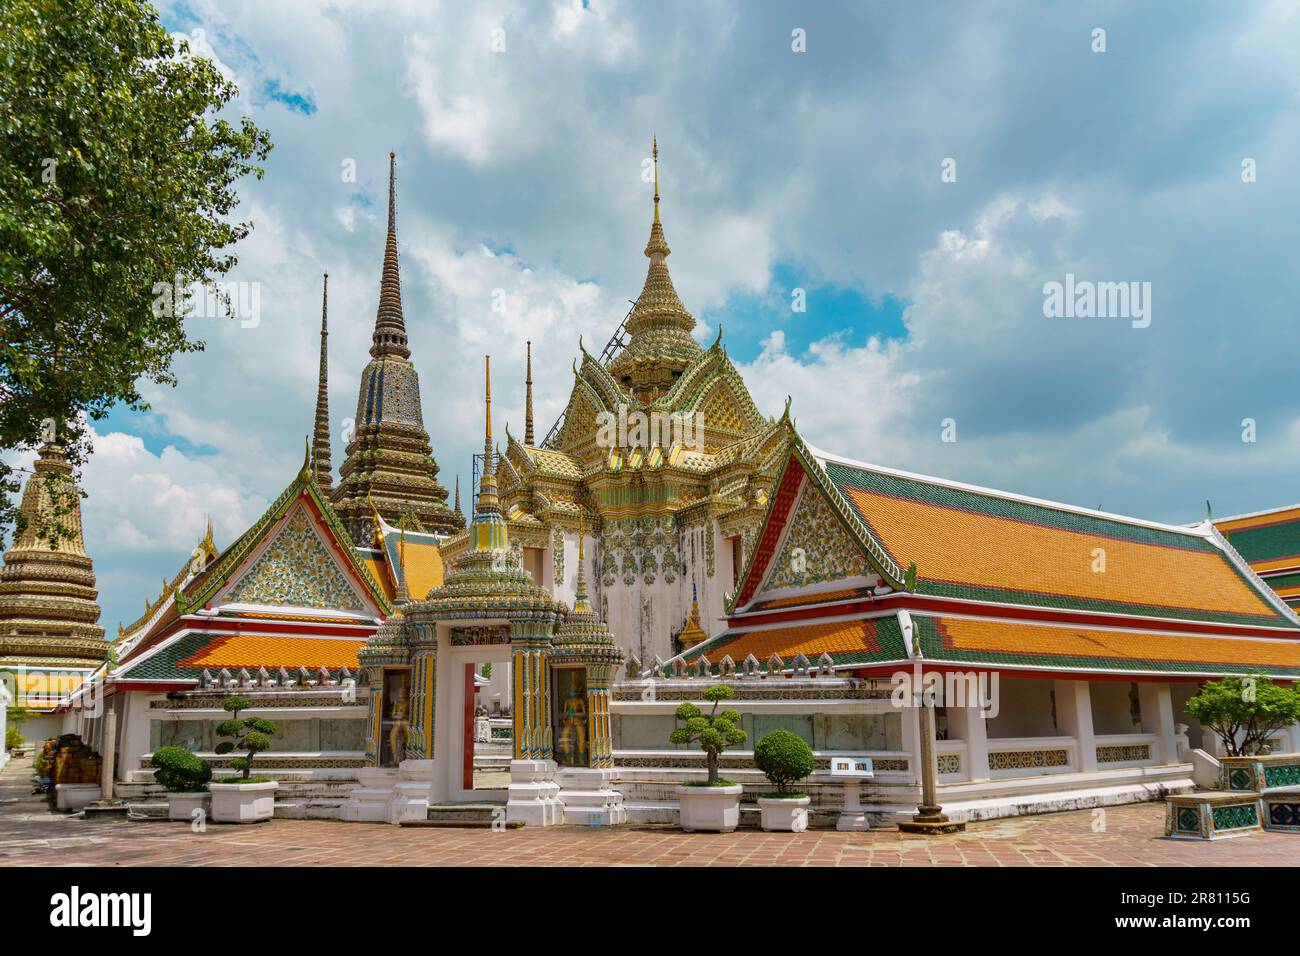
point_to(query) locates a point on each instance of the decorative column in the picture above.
(424, 690)
(530, 660)
(929, 818)
(534, 796)
(1074, 718)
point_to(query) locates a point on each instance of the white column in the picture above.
(975, 733)
(911, 732)
(1074, 717)
(1157, 705)
(135, 734)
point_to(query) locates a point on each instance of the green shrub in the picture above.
(715, 732)
(13, 738)
(784, 757)
(245, 780)
(250, 734)
(1244, 712)
(180, 771)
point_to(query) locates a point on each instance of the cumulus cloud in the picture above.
(520, 186)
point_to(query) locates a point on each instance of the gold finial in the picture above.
(580, 535)
(654, 151)
(487, 391)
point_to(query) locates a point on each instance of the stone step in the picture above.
(463, 815)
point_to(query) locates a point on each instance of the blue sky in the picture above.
(520, 170)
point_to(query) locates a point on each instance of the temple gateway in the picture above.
(663, 537)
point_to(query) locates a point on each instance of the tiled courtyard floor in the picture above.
(1129, 836)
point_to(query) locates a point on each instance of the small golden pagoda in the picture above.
(49, 610)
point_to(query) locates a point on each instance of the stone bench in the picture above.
(1212, 815)
(1281, 810)
(1259, 773)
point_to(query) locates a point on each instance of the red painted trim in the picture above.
(467, 774)
(252, 625)
(920, 603)
(778, 516)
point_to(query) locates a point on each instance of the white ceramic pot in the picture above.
(242, 802)
(710, 808)
(181, 806)
(784, 814)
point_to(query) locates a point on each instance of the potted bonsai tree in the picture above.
(243, 798)
(186, 778)
(785, 759)
(712, 804)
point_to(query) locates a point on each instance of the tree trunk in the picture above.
(713, 765)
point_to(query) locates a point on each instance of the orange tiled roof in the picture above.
(1036, 644)
(865, 639)
(252, 651)
(956, 546)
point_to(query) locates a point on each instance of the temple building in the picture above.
(50, 637)
(389, 464)
(663, 449)
(1270, 541)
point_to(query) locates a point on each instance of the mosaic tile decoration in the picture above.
(297, 570)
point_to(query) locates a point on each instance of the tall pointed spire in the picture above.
(658, 244)
(390, 325)
(389, 458)
(528, 399)
(457, 508)
(660, 344)
(321, 467)
(487, 486)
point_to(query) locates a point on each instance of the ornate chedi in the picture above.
(664, 450)
(389, 459)
(692, 633)
(489, 585)
(49, 611)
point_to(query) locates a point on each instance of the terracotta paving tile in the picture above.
(31, 836)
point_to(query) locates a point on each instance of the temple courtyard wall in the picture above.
(1048, 745)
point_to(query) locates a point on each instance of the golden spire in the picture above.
(487, 487)
(658, 245)
(528, 399)
(320, 439)
(654, 151)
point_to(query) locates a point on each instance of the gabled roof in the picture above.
(1269, 540)
(226, 569)
(988, 546)
(223, 570)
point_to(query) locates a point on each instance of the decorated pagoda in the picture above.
(50, 637)
(674, 507)
(389, 462)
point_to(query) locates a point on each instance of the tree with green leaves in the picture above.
(117, 180)
(1244, 712)
(250, 734)
(715, 732)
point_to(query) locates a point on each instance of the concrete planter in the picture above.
(784, 814)
(181, 806)
(710, 808)
(75, 796)
(242, 802)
